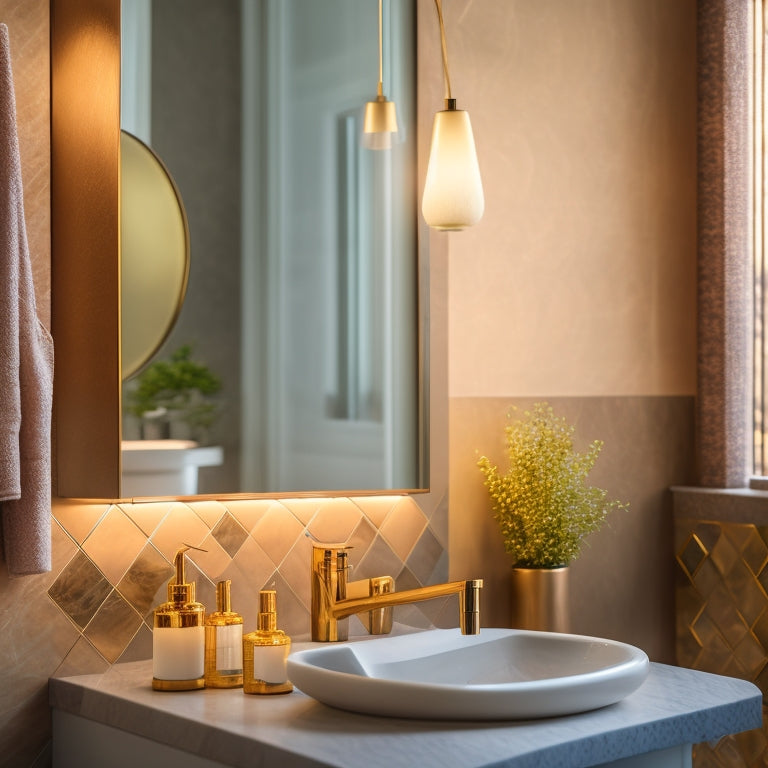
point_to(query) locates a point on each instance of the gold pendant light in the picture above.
(380, 118)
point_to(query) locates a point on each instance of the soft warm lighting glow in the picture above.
(379, 123)
(453, 193)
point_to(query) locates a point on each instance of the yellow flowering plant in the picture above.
(542, 503)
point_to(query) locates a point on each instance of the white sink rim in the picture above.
(379, 691)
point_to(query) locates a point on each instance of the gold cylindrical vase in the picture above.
(540, 599)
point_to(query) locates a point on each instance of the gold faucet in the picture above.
(334, 598)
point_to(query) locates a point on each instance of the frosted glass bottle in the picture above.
(223, 642)
(265, 651)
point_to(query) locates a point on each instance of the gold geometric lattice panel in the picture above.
(742, 750)
(722, 620)
(722, 599)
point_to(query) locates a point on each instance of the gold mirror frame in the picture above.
(85, 268)
(85, 235)
(154, 243)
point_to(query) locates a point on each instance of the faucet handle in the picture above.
(329, 584)
(328, 556)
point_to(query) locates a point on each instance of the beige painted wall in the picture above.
(578, 286)
(579, 280)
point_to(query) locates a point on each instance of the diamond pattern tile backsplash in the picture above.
(123, 558)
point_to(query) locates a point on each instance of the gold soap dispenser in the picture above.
(265, 651)
(223, 642)
(178, 637)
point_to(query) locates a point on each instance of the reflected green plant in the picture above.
(180, 386)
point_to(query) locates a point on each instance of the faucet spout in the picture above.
(331, 605)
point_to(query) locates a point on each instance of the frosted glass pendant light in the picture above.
(380, 118)
(453, 192)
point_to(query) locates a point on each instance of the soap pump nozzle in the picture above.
(179, 589)
(224, 596)
(267, 611)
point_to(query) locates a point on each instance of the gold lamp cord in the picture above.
(380, 87)
(447, 77)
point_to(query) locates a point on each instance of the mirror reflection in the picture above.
(294, 358)
(155, 253)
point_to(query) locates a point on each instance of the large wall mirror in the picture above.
(303, 303)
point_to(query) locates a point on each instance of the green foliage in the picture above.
(179, 384)
(542, 503)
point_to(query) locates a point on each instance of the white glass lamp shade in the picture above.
(453, 193)
(379, 124)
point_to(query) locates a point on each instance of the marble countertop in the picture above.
(673, 706)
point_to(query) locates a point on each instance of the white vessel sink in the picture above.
(500, 674)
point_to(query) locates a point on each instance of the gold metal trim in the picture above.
(85, 265)
(178, 685)
(261, 687)
(85, 269)
(149, 156)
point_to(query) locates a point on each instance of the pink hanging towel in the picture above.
(26, 365)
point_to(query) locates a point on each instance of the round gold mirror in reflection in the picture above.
(154, 253)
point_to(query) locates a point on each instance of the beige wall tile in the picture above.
(277, 531)
(304, 509)
(376, 508)
(249, 512)
(210, 512)
(113, 627)
(214, 560)
(79, 518)
(80, 589)
(229, 534)
(295, 569)
(148, 575)
(334, 521)
(403, 527)
(180, 526)
(114, 544)
(82, 659)
(140, 646)
(148, 515)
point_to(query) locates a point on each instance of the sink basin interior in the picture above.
(509, 659)
(498, 674)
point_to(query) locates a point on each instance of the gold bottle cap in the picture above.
(223, 596)
(267, 610)
(181, 610)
